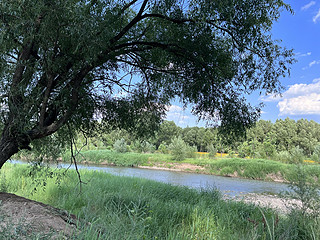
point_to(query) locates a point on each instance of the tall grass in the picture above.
(110, 157)
(260, 169)
(133, 208)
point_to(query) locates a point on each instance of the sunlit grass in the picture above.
(262, 169)
(132, 208)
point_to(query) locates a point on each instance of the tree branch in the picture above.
(45, 100)
(73, 157)
(134, 21)
(75, 83)
(128, 5)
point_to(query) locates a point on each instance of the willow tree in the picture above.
(64, 62)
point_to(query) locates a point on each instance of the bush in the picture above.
(267, 150)
(191, 151)
(303, 219)
(297, 155)
(315, 157)
(178, 149)
(245, 150)
(212, 150)
(120, 146)
(147, 147)
(316, 154)
(283, 156)
(163, 148)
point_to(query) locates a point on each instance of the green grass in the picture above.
(133, 208)
(119, 159)
(260, 169)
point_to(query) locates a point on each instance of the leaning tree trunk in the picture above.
(8, 147)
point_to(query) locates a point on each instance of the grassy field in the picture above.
(260, 169)
(120, 159)
(132, 208)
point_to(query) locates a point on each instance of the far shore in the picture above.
(185, 167)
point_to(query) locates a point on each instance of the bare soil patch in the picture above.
(31, 218)
(179, 167)
(275, 177)
(282, 205)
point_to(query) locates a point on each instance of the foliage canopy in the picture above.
(62, 63)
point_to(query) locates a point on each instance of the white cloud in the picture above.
(174, 108)
(121, 94)
(295, 90)
(301, 105)
(316, 17)
(301, 99)
(177, 114)
(302, 89)
(298, 54)
(307, 6)
(314, 62)
(271, 98)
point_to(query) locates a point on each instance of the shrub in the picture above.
(283, 156)
(245, 150)
(191, 151)
(143, 147)
(267, 149)
(163, 148)
(297, 155)
(120, 146)
(178, 149)
(212, 150)
(316, 154)
(147, 147)
(303, 219)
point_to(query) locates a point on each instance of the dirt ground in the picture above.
(178, 167)
(282, 205)
(23, 217)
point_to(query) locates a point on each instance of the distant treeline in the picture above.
(263, 140)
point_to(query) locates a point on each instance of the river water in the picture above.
(227, 185)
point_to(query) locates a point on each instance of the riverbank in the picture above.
(132, 208)
(280, 204)
(258, 169)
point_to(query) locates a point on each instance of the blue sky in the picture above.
(301, 98)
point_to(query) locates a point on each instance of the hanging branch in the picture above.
(73, 157)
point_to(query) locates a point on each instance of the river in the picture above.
(227, 185)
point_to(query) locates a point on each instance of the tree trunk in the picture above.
(8, 147)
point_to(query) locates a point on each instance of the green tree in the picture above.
(268, 149)
(307, 138)
(210, 138)
(167, 131)
(297, 155)
(260, 132)
(285, 134)
(62, 63)
(189, 135)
